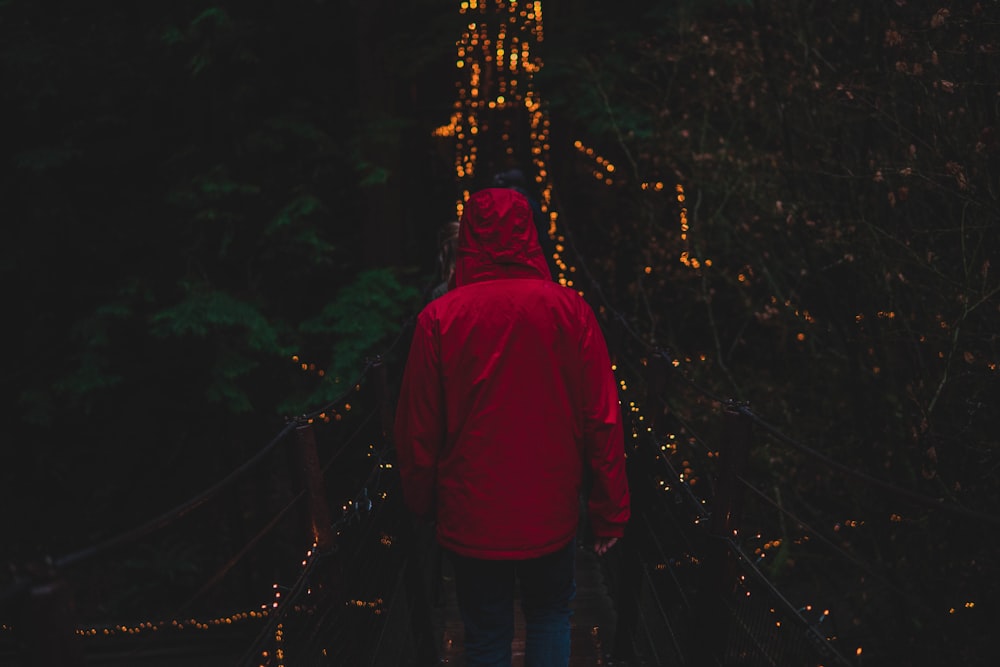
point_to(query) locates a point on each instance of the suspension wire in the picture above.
(296, 589)
(663, 554)
(173, 515)
(185, 508)
(263, 532)
(694, 385)
(672, 471)
(663, 615)
(232, 562)
(275, 617)
(697, 441)
(682, 529)
(874, 481)
(225, 569)
(650, 641)
(344, 447)
(749, 564)
(354, 386)
(362, 505)
(407, 324)
(370, 362)
(862, 564)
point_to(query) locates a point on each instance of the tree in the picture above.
(185, 183)
(800, 203)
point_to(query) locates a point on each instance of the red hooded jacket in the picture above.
(507, 394)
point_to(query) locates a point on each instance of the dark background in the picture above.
(192, 193)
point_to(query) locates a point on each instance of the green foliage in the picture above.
(214, 16)
(205, 311)
(362, 319)
(239, 328)
(46, 157)
(299, 207)
(226, 388)
(92, 373)
(184, 195)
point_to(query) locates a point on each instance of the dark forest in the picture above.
(217, 211)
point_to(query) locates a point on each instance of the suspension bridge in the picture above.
(308, 558)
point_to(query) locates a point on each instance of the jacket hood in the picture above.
(497, 239)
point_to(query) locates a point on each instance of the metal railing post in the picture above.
(311, 479)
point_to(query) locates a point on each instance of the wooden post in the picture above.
(311, 479)
(48, 626)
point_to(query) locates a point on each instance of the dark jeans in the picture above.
(485, 590)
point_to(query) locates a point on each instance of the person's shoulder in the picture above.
(564, 291)
(569, 296)
(439, 301)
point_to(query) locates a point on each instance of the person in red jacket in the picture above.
(507, 396)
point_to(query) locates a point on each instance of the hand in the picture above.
(602, 544)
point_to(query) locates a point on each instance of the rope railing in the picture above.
(35, 580)
(134, 535)
(183, 509)
(650, 440)
(860, 563)
(281, 610)
(309, 642)
(811, 627)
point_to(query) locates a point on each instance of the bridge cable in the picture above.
(174, 514)
(862, 564)
(749, 564)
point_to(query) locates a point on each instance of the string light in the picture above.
(509, 50)
(686, 258)
(308, 367)
(604, 169)
(120, 629)
(503, 48)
